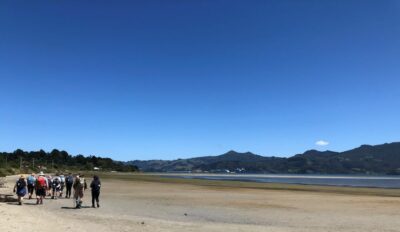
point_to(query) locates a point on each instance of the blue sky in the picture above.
(176, 79)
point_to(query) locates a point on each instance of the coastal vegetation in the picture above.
(56, 160)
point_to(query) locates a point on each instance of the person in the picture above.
(56, 186)
(20, 189)
(41, 187)
(95, 186)
(79, 188)
(31, 184)
(49, 185)
(69, 180)
(62, 178)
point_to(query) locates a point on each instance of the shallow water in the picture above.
(330, 180)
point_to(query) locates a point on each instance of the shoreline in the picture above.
(353, 181)
(147, 177)
(294, 176)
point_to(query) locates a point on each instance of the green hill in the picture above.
(366, 159)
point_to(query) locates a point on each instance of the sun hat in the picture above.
(41, 174)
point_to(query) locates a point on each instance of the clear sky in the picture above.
(175, 79)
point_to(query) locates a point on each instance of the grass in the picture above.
(232, 185)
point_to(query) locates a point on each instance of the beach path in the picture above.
(152, 206)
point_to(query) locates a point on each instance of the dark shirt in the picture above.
(69, 180)
(95, 185)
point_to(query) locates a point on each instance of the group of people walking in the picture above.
(53, 186)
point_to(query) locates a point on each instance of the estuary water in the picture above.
(330, 180)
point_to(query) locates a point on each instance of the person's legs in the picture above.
(77, 199)
(93, 198)
(42, 195)
(68, 193)
(97, 199)
(37, 196)
(80, 198)
(57, 193)
(30, 191)
(62, 189)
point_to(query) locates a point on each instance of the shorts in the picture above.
(78, 193)
(41, 192)
(31, 187)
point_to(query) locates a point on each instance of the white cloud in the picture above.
(321, 143)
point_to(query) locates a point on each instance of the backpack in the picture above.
(31, 180)
(69, 180)
(41, 182)
(56, 182)
(21, 184)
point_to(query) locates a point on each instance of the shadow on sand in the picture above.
(83, 207)
(12, 203)
(29, 203)
(24, 203)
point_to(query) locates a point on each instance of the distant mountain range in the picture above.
(366, 159)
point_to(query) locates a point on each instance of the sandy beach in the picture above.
(136, 204)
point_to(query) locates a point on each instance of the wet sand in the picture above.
(151, 204)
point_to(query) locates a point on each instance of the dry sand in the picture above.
(158, 206)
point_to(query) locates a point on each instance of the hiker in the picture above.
(95, 186)
(41, 187)
(31, 184)
(69, 180)
(20, 189)
(49, 185)
(62, 178)
(55, 186)
(79, 188)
